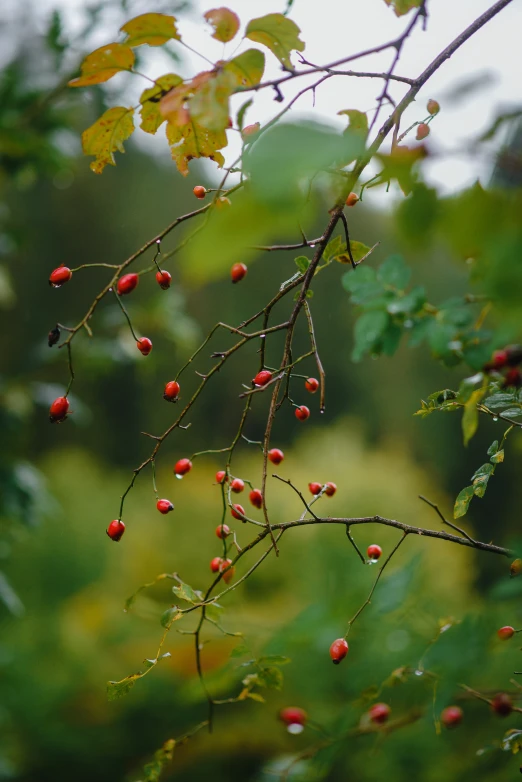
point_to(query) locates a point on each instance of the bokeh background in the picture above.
(63, 587)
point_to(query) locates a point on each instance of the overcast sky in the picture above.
(332, 29)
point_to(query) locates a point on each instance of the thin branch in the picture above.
(444, 520)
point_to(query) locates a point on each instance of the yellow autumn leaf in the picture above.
(191, 141)
(225, 23)
(152, 29)
(104, 63)
(107, 135)
(277, 33)
(151, 117)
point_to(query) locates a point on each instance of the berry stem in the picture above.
(118, 299)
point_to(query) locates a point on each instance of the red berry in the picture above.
(352, 199)
(182, 467)
(115, 530)
(451, 716)
(164, 506)
(330, 490)
(499, 359)
(163, 279)
(502, 704)
(250, 130)
(293, 715)
(433, 107)
(302, 413)
(312, 384)
(339, 650)
(315, 488)
(222, 531)
(513, 378)
(60, 276)
(379, 713)
(58, 410)
(221, 476)
(262, 378)
(256, 498)
(374, 552)
(504, 633)
(127, 283)
(199, 191)
(237, 512)
(227, 570)
(238, 271)
(423, 130)
(144, 345)
(237, 485)
(171, 391)
(215, 563)
(276, 456)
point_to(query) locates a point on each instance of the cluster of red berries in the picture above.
(223, 566)
(316, 488)
(302, 412)
(507, 361)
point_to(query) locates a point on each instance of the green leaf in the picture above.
(107, 135)
(462, 502)
(214, 612)
(270, 677)
(151, 118)
(240, 650)
(241, 113)
(493, 448)
(394, 272)
(170, 615)
(333, 248)
(274, 659)
(248, 68)
(104, 63)
(117, 690)
(402, 7)
(391, 339)
(499, 400)
(225, 23)
(409, 304)
(498, 457)
(470, 415)
(9, 597)
(152, 29)
(302, 263)
(513, 412)
(255, 696)
(162, 756)
(359, 250)
(209, 104)
(481, 477)
(185, 592)
(369, 328)
(398, 586)
(194, 141)
(277, 33)
(357, 123)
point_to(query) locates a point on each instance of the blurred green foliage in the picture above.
(63, 587)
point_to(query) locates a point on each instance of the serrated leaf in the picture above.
(152, 29)
(277, 33)
(185, 592)
(170, 615)
(369, 328)
(513, 412)
(394, 272)
(194, 141)
(462, 502)
(302, 263)
(248, 68)
(151, 117)
(409, 304)
(359, 250)
(107, 135)
(270, 677)
(225, 23)
(104, 63)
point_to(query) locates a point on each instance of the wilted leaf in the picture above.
(193, 141)
(117, 690)
(102, 64)
(225, 23)
(208, 105)
(248, 68)
(107, 135)
(277, 33)
(359, 250)
(151, 117)
(462, 502)
(161, 757)
(152, 29)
